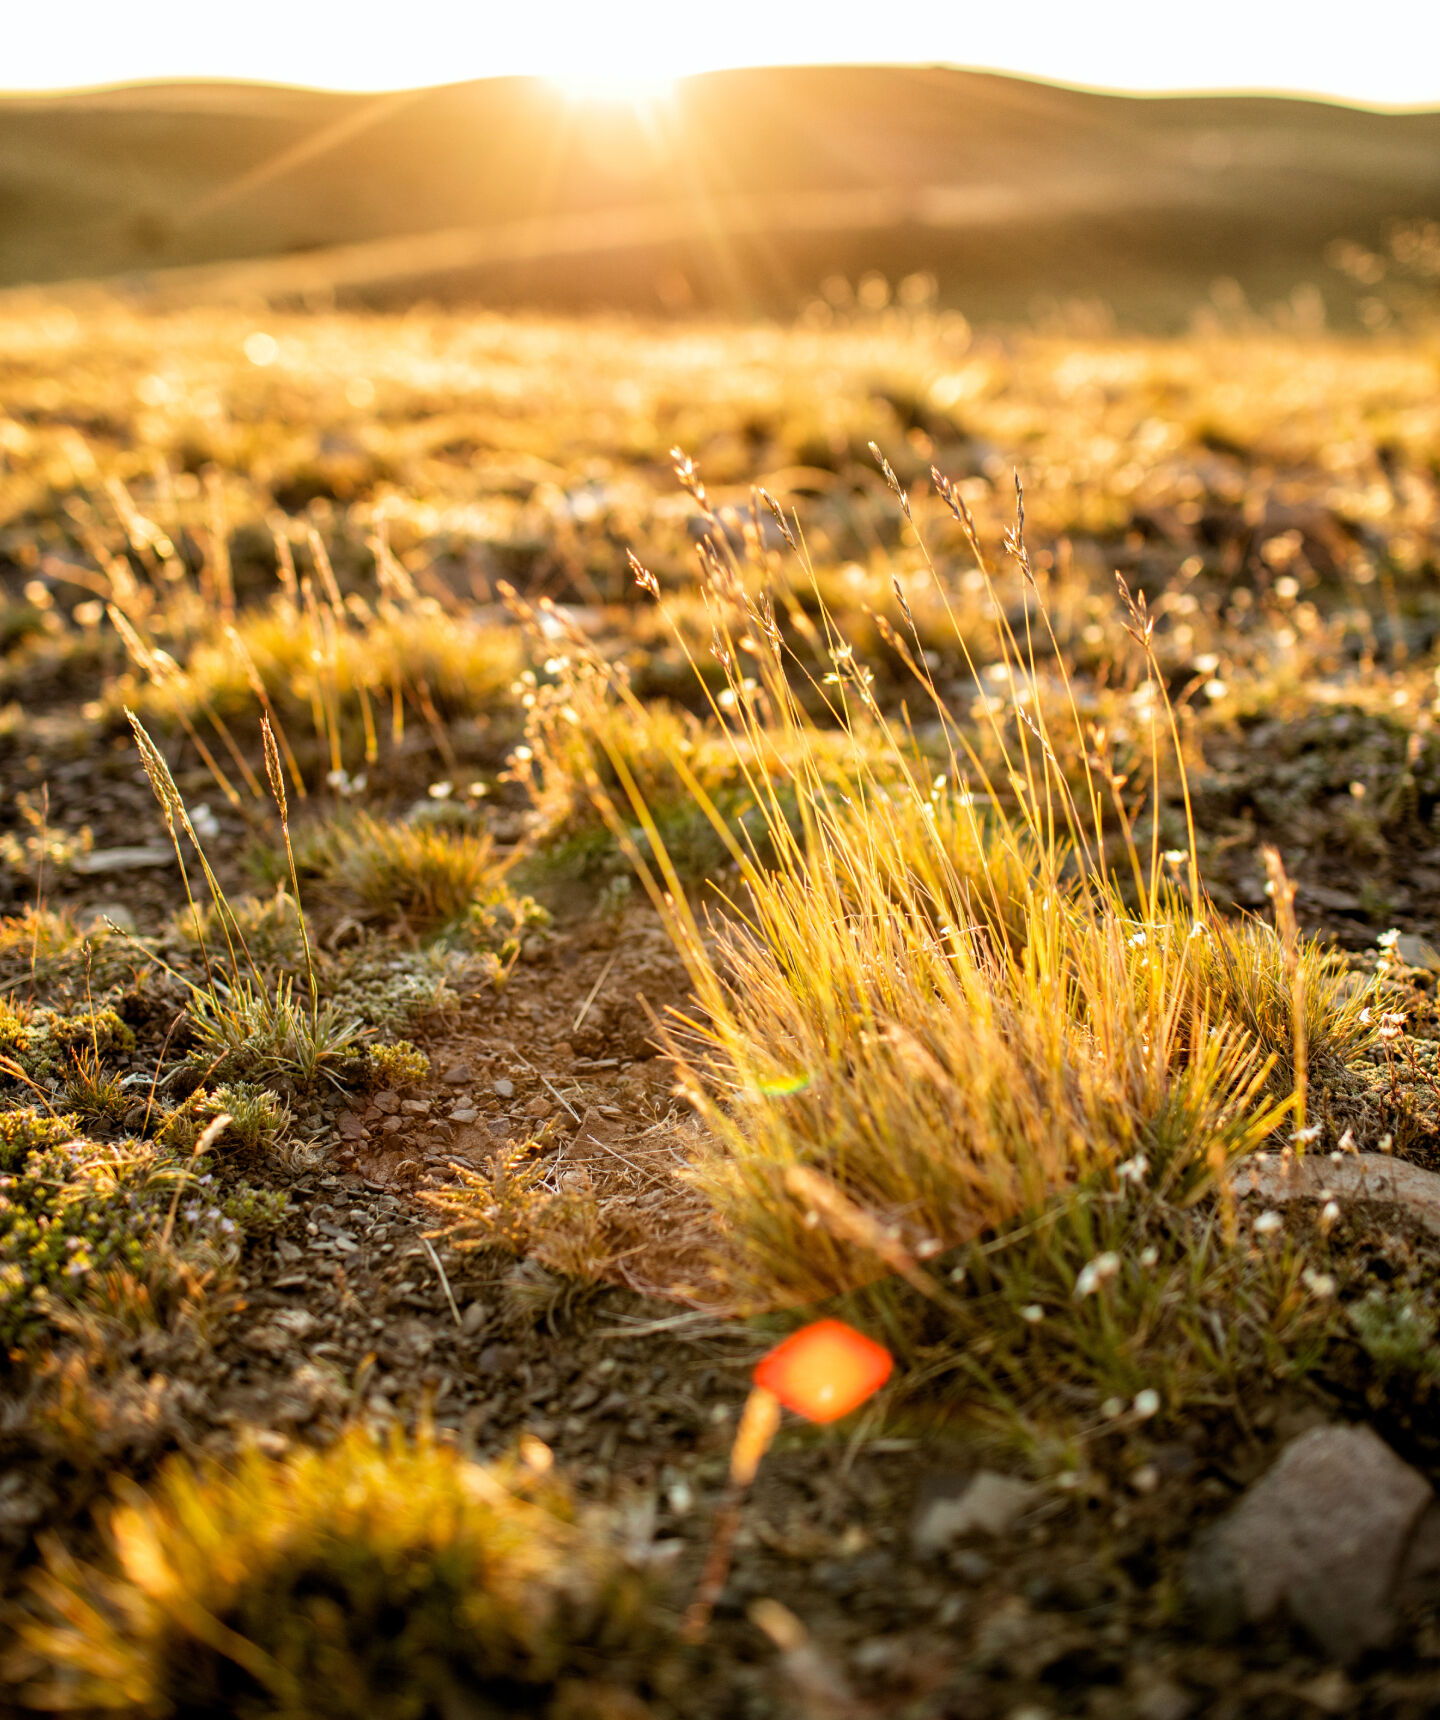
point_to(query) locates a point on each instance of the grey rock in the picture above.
(953, 1506)
(473, 1319)
(970, 1566)
(1416, 953)
(299, 1322)
(387, 1102)
(1376, 1177)
(133, 859)
(1338, 901)
(504, 1088)
(499, 1359)
(1158, 1697)
(1321, 1536)
(458, 1074)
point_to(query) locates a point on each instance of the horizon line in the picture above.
(1239, 92)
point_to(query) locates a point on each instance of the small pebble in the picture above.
(458, 1074)
(464, 1114)
(387, 1103)
(504, 1088)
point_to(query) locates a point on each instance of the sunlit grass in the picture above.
(946, 1005)
(363, 1578)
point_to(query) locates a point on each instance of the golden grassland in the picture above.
(952, 830)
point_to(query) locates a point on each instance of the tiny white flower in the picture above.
(1133, 1170)
(1032, 1313)
(1113, 1408)
(1174, 856)
(1319, 1284)
(1095, 1273)
(1268, 1223)
(1388, 940)
(1306, 1135)
(1138, 941)
(1147, 1403)
(1346, 1143)
(440, 790)
(1329, 1213)
(1149, 1256)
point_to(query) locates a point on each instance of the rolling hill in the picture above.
(742, 193)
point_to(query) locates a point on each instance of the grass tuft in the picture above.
(389, 1580)
(961, 1032)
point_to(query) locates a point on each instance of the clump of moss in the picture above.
(396, 1064)
(390, 990)
(1397, 1332)
(28, 1130)
(395, 1581)
(85, 1224)
(69, 1211)
(45, 1043)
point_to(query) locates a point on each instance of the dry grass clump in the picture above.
(426, 874)
(936, 1012)
(394, 1580)
(1244, 967)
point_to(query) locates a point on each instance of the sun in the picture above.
(636, 87)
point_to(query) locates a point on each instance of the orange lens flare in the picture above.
(824, 1371)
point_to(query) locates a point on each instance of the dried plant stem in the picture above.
(277, 788)
(1283, 892)
(759, 1423)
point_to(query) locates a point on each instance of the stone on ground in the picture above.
(953, 1506)
(1322, 1537)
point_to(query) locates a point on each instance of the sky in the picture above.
(1384, 52)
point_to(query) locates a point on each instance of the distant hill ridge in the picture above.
(742, 193)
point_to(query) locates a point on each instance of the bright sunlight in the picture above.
(621, 86)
